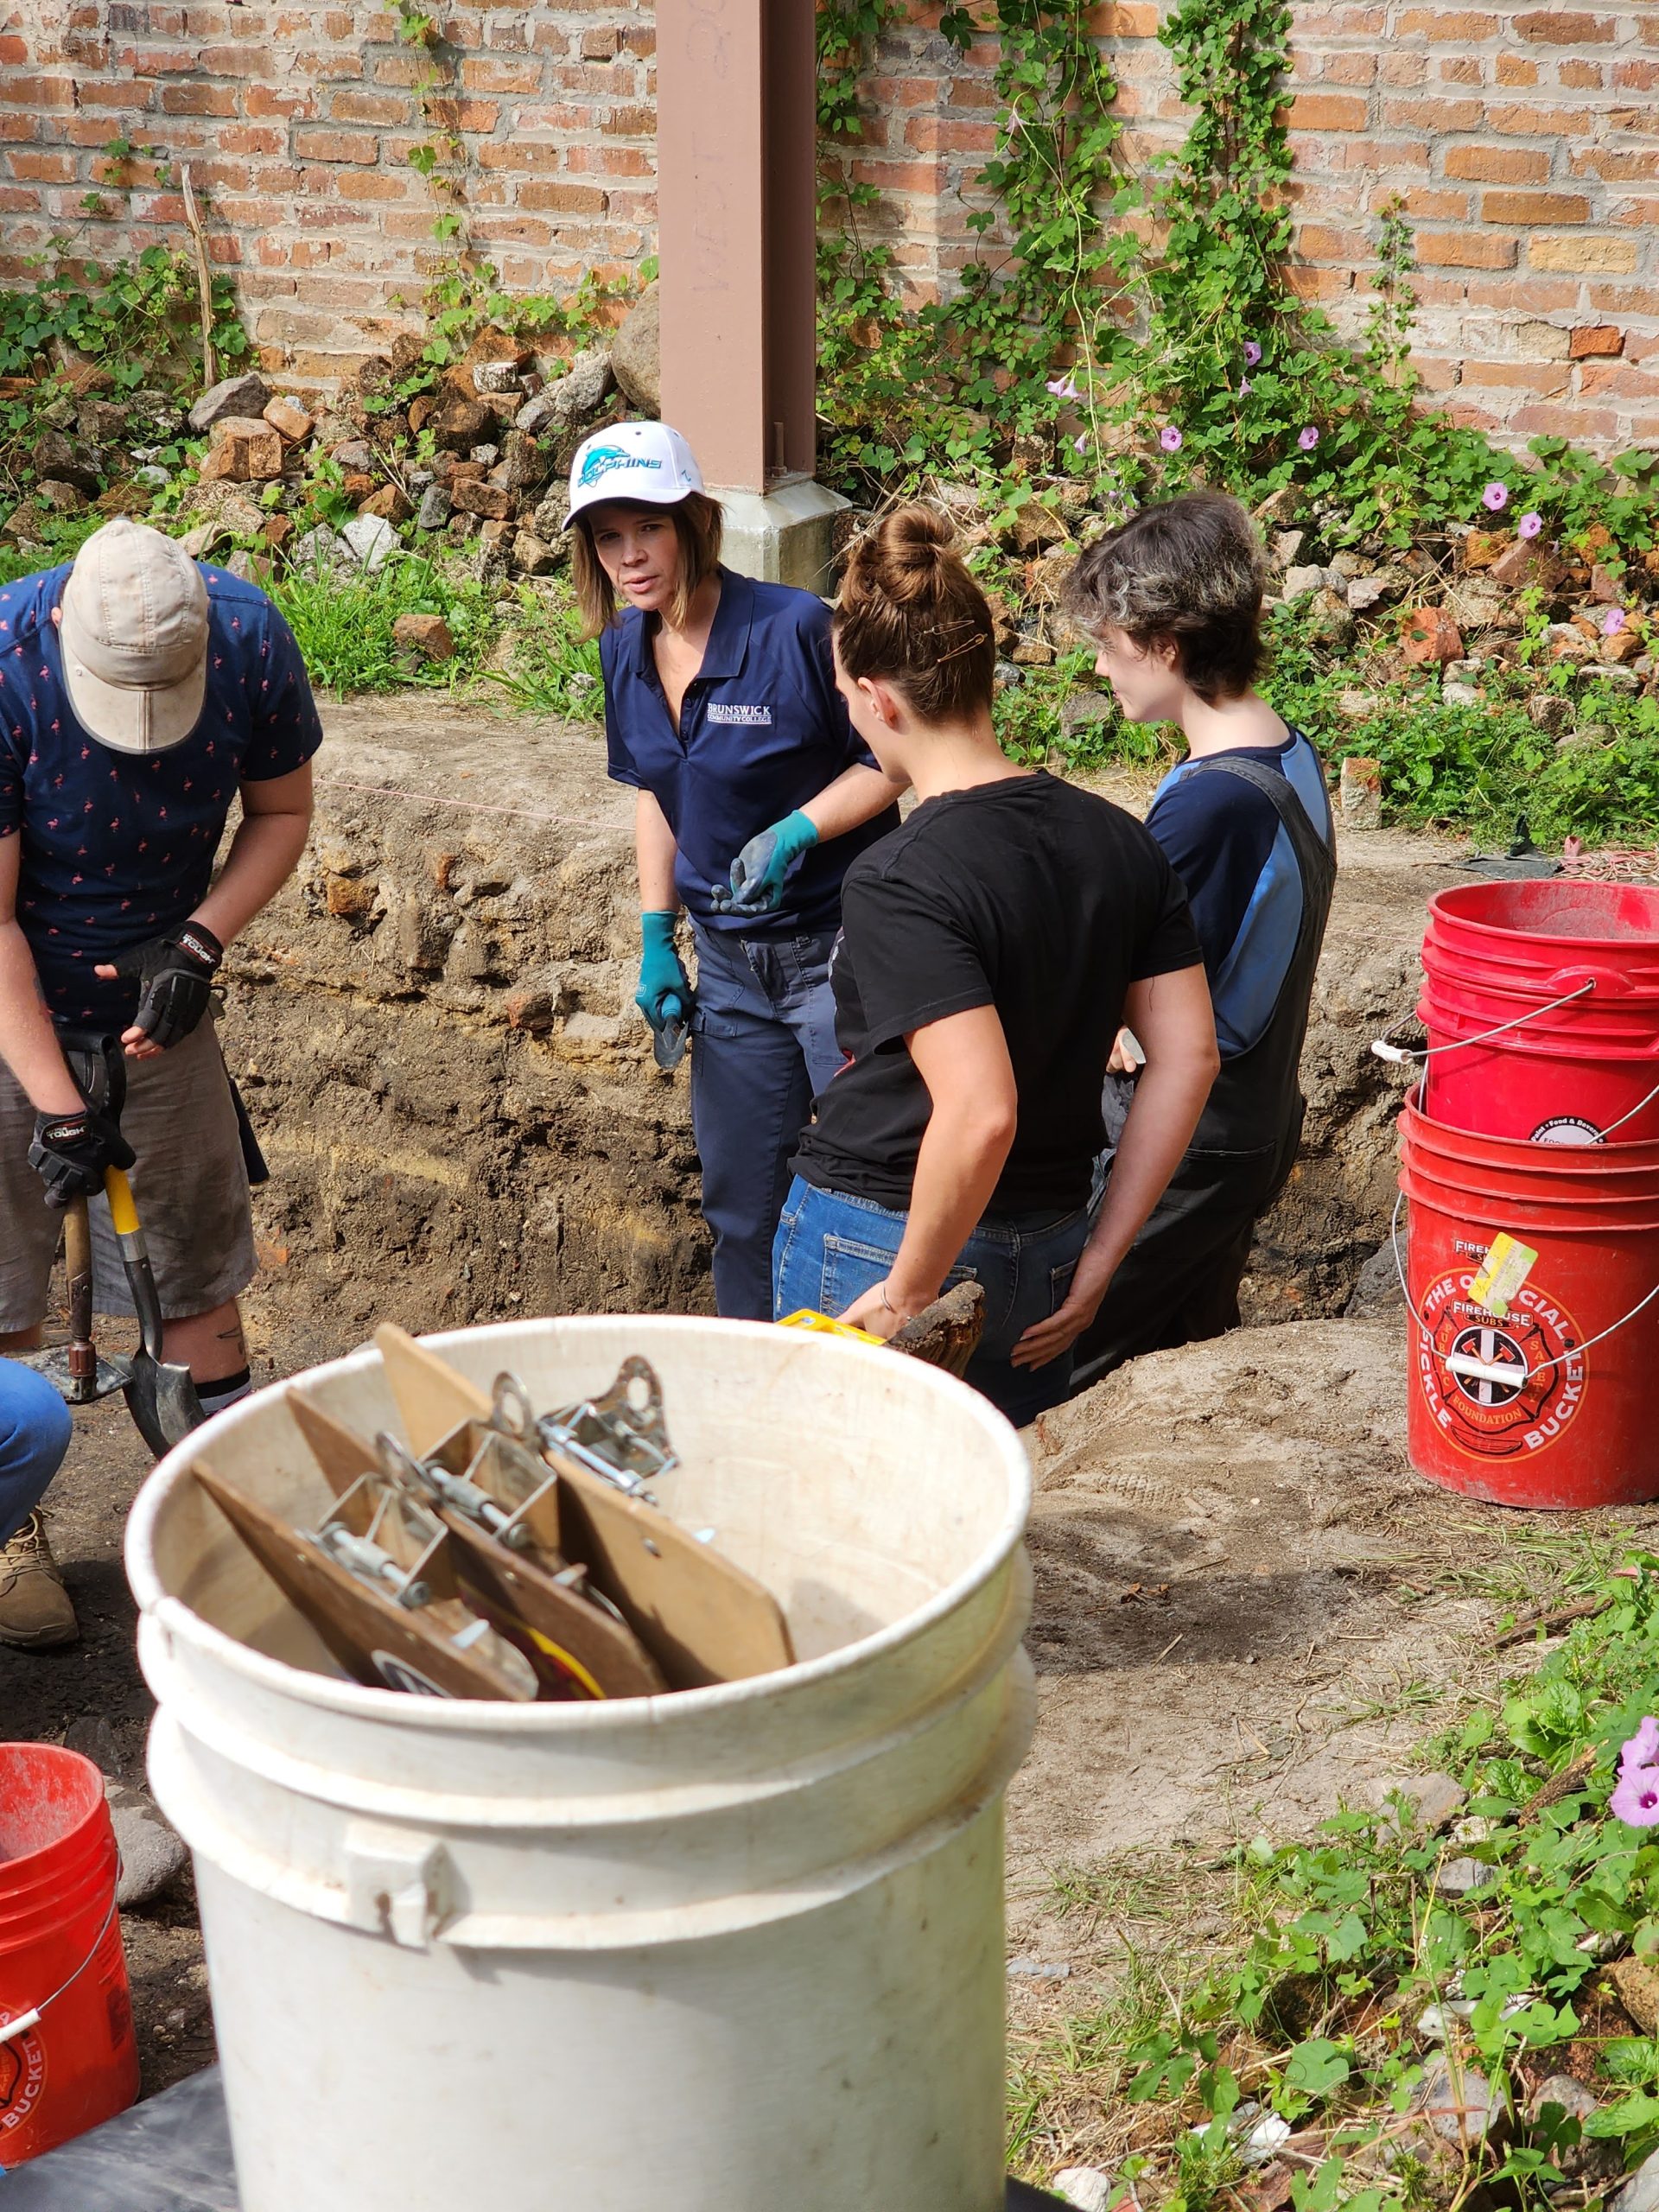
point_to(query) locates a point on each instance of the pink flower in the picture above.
(1064, 388)
(1243, 386)
(1529, 526)
(1495, 497)
(1252, 353)
(1613, 622)
(1170, 438)
(1636, 1797)
(1080, 443)
(1636, 1793)
(1307, 439)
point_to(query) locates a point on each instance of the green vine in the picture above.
(1142, 355)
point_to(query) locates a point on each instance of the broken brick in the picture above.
(289, 420)
(243, 451)
(493, 501)
(1428, 633)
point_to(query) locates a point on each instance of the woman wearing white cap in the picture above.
(754, 795)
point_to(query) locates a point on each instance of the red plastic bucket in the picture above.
(1565, 1075)
(1529, 936)
(61, 1958)
(1550, 1403)
(1608, 1166)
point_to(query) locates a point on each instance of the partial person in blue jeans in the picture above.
(754, 793)
(989, 949)
(35, 1614)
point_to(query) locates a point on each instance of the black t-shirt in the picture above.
(1030, 896)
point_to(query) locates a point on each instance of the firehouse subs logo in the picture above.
(1498, 1389)
(23, 2076)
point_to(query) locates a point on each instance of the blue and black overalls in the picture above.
(1259, 870)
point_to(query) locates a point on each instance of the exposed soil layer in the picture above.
(435, 1031)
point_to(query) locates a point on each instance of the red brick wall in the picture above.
(298, 120)
(1524, 141)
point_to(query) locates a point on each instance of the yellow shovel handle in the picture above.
(122, 1212)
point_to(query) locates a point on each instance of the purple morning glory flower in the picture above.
(1080, 443)
(1636, 1793)
(1252, 353)
(1635, 1796)
(1243, 387)
(1613, 622)
(1064, 388)
(1529, 526)
(1170, 438)
(1308, 438)
(1495, 496)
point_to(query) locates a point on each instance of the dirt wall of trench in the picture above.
(435, 1032)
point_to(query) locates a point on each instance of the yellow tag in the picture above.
(806, 1318)
(1503, 1272)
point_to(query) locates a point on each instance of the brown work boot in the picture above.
(35, 1613)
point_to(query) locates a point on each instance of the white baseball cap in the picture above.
(632, 460)
(134, 631)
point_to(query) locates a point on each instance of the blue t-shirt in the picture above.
(118, 847)
(1234, 855)
(762, 730)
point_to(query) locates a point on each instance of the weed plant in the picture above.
(345, 625)
(1353, 1970)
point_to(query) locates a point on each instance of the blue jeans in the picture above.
(763, 1047)
(34, 1436)
(832, 1248)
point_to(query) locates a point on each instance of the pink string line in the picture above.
(433, 798)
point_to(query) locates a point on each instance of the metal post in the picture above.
(736, 107)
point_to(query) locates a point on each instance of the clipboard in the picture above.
(577, 1648)
(379, 1642)
(700, 1617)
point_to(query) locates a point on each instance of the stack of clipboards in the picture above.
(495, 1552)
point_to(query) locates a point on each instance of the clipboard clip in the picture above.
(366, 1558)
(620, 1435)
(431, 1480)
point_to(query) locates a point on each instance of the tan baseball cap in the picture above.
(134, 631)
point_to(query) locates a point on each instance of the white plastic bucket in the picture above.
(721, 1951)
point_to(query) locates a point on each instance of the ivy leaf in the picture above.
(1315, 2068)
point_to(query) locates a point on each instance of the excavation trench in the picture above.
(435, 1031)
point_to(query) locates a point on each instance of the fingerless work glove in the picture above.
(175, 975)
(761, 869)
(71, 1151)
(664, 992)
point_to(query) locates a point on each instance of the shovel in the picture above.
(75, 1369)
(160, 1396)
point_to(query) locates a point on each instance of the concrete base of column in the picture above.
(784, 536)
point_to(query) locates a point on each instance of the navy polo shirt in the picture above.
(762, 730)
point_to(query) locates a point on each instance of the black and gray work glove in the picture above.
(71, 1151)
(176, 973)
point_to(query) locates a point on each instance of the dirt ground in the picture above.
(1247, 1605)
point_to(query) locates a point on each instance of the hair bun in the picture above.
(902, 556)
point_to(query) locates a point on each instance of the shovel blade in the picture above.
(163, 1401)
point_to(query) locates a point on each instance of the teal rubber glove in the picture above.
(664, 992)
(760, 870)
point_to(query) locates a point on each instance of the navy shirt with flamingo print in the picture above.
(118, 847)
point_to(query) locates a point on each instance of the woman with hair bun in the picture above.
(989, 951)
(721, 712)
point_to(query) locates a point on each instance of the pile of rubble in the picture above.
(1457, 602)
(474, 456)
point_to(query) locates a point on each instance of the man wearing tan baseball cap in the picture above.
(139, 693)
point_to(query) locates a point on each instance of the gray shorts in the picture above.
(189, 1186)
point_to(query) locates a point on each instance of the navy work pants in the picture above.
(763, 1047)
